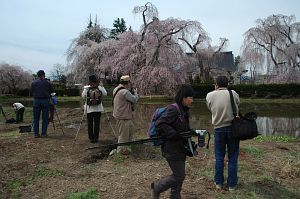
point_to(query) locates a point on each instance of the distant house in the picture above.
(226, 61)
(223, 61)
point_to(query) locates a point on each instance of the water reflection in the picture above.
(288, 124)
(273, 119)
(279, 126)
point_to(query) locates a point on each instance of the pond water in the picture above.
(273, 119)
(276, 119)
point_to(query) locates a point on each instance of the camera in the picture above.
(201, 137)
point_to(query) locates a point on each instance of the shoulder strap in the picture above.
(177, 107)
(117, 92)
(178, 110)
(232, 103)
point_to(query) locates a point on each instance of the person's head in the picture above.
(41, 73)
(221, 81)
(93, 81)
(184, 95)
(125, 80)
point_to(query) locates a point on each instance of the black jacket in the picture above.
(41, 89)
(169, 125)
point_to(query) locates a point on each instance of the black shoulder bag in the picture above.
(243, 127)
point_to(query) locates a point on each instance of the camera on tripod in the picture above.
(201, 137)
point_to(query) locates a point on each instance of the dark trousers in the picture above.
(40, 105)
(93, 120)
(223, 140)
(19, 114)
(173, 181)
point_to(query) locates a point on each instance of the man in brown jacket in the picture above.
(123, 101)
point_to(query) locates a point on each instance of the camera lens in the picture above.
(201, 141)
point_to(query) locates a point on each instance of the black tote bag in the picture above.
(243, 127)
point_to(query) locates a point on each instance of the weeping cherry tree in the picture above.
(275, 43)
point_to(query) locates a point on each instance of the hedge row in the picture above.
(244, 90)
(59, 92)
(255, 91)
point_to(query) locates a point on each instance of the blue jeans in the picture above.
(224, 140)
(38, 106)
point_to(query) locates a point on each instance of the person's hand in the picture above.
(135, 91)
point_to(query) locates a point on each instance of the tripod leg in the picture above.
(79, 128)
(53, 124)
(110, 124)
(3, 113)
(59, 121)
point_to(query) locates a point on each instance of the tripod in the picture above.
(3, 112)
(53, 110)
(108, 120)
(83, 115)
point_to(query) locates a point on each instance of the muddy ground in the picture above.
(56, 166)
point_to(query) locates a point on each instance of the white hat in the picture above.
(125, 78)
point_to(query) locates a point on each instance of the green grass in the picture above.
(10, 134)
(14, 187)
(273, 138)
(206, 172)
(89, 194)
(255, 152)
(273, 101)
(265, 178)
(45, 172)
(118, 159)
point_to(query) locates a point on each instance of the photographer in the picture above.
(123, 101)
(93, 94)
(41, 90)
(174, 121)
(19, 110)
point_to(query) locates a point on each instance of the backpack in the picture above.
(152, 132)
(94, 96)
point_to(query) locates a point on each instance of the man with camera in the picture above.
(93, 106)
(123, 101)
(41, 90)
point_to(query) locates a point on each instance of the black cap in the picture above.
(40, 73)
(93, 78)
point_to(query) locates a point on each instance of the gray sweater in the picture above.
(218, 102)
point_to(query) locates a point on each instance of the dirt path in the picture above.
(54, 167)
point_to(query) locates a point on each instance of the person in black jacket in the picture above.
(174, 121)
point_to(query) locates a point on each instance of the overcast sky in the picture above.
(35, 34)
